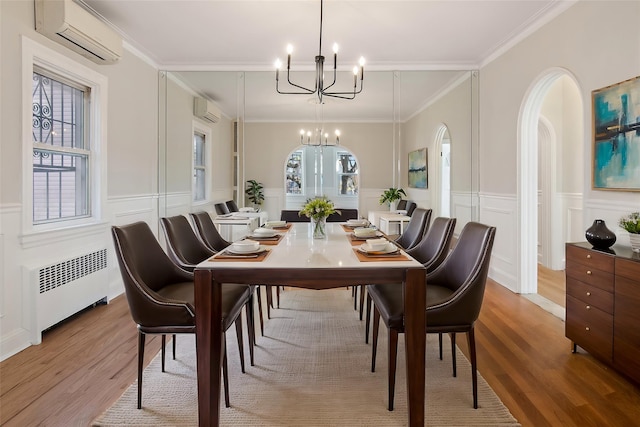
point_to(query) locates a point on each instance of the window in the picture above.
(64, 142)
(294, 174)
(61, 148)
(347, 171)
(199, 166)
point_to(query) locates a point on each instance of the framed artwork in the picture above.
(418, 169)
(616, 136)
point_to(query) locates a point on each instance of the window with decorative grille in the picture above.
(61, 148)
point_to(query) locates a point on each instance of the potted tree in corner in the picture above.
(255, 194)
(392, 196)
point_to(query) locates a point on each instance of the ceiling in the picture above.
(228, 36)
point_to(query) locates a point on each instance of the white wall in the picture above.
(597, 42)
(132, 131)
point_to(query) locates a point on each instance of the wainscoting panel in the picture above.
(501, 211)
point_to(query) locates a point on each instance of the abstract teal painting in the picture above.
(418, 168)
(616, 136)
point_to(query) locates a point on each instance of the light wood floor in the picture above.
(551, 285)
(84, 365)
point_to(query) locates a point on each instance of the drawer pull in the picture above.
(588, 294)
(587, 329)
(588, 307)
(588, 256)
(589, 272)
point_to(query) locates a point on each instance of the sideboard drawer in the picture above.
(628, 269)
(592, 258)
(592, 276)
(590, 295)
(590, 328)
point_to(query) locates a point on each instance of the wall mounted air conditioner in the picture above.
(70, 24)
(205, 110)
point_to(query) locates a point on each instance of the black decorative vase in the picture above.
(599, 235)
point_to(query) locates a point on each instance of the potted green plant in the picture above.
(255, 194)
(631, 223)
(392, 196)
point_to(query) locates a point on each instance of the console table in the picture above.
(603, 304)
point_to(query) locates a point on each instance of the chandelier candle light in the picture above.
(318, 137)
(319, 88)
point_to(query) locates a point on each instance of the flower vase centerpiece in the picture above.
(631, 223)
(318, 209)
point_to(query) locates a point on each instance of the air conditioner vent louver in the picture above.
(205, 110)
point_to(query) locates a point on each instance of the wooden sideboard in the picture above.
(603, 304)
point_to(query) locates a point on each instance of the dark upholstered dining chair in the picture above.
(186, 250)
(221, 208)
(430, 252)
(292, 216)
(161, 295)
(410, 208)
(401, 205)
(416, 228)
(231, 206)
(208, 232)
(210, 236)
(455, 290)
(343, 216)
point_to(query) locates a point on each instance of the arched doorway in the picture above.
(570, 140)
(443, 171)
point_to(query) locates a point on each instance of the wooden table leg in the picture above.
(415, 293)
(209, 335)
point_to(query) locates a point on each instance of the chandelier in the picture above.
(319, 88)
(318, 137)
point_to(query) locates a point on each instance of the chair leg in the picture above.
(367, 320)
(393, 356)
(474, 367)
(251, 330)
(141, 339)
(362, 288)
(354, 294)
(260, 310)
(269, 301)
(164, 342)
(225, 371)
(278, 295)
(238, 323)
(374, 344)
(440, 343)
(174, 346)
(453, 354)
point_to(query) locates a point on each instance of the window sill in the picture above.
(43, 237)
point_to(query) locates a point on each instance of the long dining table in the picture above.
(299, 260)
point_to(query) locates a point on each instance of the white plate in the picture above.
(243, 252)
(368, 236)
(262, 235)
(356, 222)
(272, 224)
(389, 249)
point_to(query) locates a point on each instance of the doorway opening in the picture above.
(550, 179)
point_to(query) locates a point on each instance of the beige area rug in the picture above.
(312, 368)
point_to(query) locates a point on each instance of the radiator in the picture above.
(66, 287)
